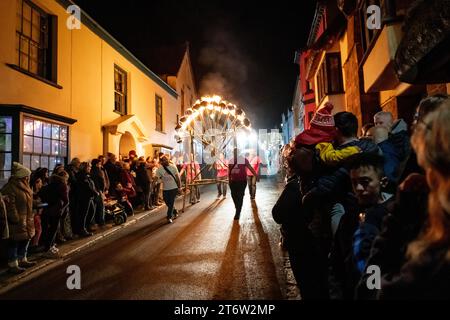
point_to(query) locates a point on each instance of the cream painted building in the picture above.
(173, 65)
(74, 92)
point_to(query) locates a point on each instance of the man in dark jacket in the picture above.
(143, 181)
(368, 180)
(391, 154)
(98, 176)
(56, 195)
(359, 225)
(86, 193)
(72, 169)
(398, 136)
(113, 170)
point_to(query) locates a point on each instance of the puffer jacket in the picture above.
(56, 194)
(400, 139)
(19, 209)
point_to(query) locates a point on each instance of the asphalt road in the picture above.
(203, 255)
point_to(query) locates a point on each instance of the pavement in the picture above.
(203, 255)
(9, 281)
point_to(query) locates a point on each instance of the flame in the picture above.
(214, 104)
(211, 99)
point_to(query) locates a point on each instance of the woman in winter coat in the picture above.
(39, 173)
(19, 209)
(128, 182)
(426, 272)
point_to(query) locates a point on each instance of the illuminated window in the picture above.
(120, 91)
(34, 40)
(44, 144)
(5, 147)
(159, 113)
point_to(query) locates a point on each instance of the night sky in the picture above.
(242, 50)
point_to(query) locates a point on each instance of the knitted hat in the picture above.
(322, 128)
(19, 171)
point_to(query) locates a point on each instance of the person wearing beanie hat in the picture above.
(19, 208)
(19, 171)
(321, 127)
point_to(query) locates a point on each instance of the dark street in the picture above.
(204, 254)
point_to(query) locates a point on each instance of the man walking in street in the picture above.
(238, 180)
(254, 161)
(170, 177)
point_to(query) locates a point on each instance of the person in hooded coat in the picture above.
(19, 208)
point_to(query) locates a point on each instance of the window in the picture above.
(321, 81)
(334, 72)
(34, 40)
(5, 147)
(44, 144)
(182, 101)
(120, 91)
(329, 76)
(159, 113)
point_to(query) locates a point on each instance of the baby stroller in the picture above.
(115, 211)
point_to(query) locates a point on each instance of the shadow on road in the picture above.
(232, 263)
(269, 267)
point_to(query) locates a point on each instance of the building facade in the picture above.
(365, 60)
(74, 92)
(305, 88)
(173, 65)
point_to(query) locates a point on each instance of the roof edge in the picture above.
(106, 36)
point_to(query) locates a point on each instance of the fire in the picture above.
(213, 107)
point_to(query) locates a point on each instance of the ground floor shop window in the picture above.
(44, 144)
(5, 147)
